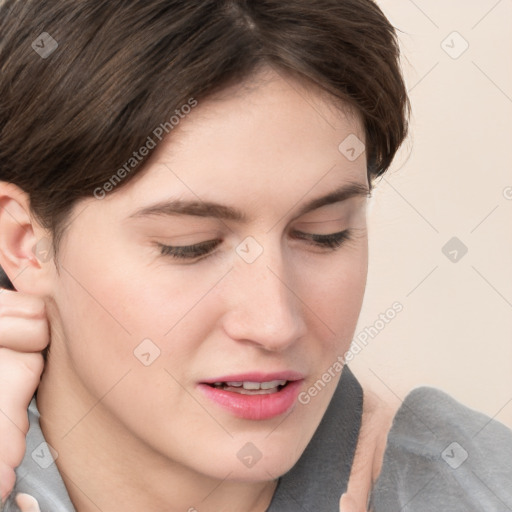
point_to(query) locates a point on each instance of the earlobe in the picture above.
(24, 244)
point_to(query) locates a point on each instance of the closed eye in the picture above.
(204, 249)
(330, 241)
(189, 252)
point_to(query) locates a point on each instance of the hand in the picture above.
(24, 333)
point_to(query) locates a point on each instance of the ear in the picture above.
(25, 246)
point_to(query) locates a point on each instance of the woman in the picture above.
(185, 186)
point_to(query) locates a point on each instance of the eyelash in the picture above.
(331, 241)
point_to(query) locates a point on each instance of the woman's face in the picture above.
(144, 332)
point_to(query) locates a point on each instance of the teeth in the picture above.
(263, 385)
(251, 385)
(272, 384)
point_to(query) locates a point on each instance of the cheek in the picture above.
(95, 326)
(335, 292)
(108, 307)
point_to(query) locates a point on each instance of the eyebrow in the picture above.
(209, 209)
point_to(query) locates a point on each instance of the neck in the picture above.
(105, 467)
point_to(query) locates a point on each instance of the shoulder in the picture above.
(441, 453)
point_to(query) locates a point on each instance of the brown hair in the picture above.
(69, 120)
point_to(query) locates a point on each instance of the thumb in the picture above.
(347, 504)
(27, 503)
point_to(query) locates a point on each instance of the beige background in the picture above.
(451, 179)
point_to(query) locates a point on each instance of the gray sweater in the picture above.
(440, 456)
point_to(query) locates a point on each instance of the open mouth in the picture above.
(254, 399)
(251, 388)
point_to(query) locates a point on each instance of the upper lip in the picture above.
(289, 375)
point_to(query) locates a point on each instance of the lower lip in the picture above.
(255, 407)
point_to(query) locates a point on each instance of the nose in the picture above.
(265, 306)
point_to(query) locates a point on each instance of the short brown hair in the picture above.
(69, 120)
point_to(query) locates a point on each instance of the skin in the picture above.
(266, 151)
(23, 333)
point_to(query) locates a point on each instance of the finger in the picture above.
(19, 375)
(21, 304)
(23, 322)
(27, 503)
(24, 334)
(7, 480)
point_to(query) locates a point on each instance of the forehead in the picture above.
(273, 109)
(263, 143)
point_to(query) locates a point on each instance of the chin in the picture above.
(245, 460)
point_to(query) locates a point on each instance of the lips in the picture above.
(254, 396)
